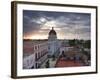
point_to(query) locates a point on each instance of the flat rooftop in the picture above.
(68, 63)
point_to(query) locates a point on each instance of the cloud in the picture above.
(65, 23)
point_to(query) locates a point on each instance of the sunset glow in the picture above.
(37, 24)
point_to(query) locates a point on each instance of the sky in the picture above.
(68, 25)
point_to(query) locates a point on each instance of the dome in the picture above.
(52, 32)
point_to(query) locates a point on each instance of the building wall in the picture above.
(38, 55)
(29, 62)
(53, 47)
(67, 48)
(41, 52)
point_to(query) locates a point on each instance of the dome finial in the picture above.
(52, 31)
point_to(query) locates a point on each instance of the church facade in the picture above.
(53, 44)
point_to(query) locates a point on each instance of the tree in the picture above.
(87, 44)
(72, 42)
(47, 64)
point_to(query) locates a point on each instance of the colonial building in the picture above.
(35, 54)
(53, 44)
(64, 46)
(28, 55)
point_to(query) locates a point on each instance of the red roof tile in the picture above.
(67, 63)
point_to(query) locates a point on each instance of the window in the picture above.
(36, 57)
(32, 67)
(35, 47)
(38, 46)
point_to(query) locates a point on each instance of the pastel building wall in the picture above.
(35, 54)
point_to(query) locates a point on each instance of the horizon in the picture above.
(58, 39)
